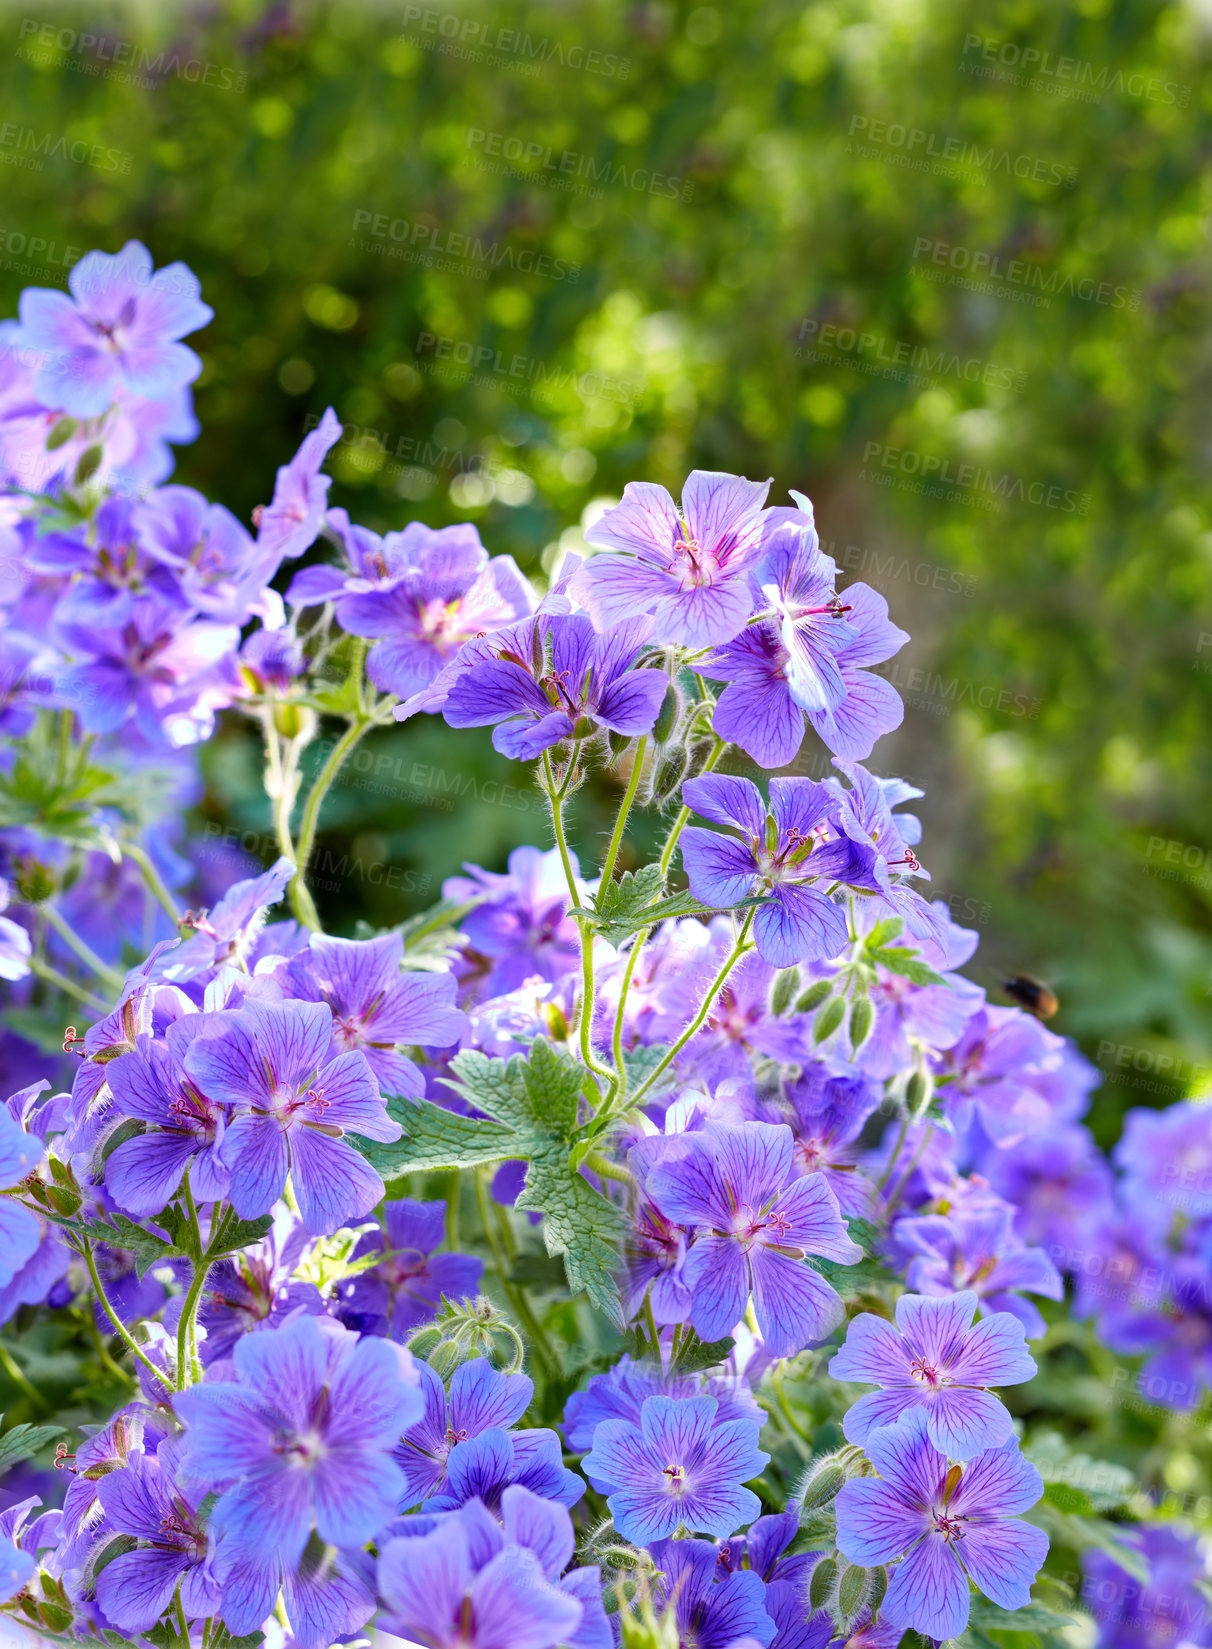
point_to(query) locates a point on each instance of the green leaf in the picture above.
(1068, 1499)
(884, 932)
(579, 1223)
(696, 1354)
(23, 1443)
(243, 1234)
(908, 964)
(119, 1232)
(437, 1138)
(634, 902)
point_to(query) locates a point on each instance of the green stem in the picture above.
(620, 823)
(63, 983)
(587, 986)
(155, 882)
(679, 824)
(598, 1164)
(300, 898)
(785, 1409)
(120, 1327)
(188, 1367)
(616, 1041)
(103, 1355)
(107, 975)
(730, 961)
(904, 1179)
(182, 1623)
(21, 1380)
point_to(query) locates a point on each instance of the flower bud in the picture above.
(814, 996)
(784, 992)
(918, 1091)
(291, 719)
(552, 1016)
(852, 1590)
(585, 727)
(829, 1018)
(879, 1585)
(861, 1016)
(618, 741)
(667, 715)
(669, 776)
(825, 1484)
(820, 1586)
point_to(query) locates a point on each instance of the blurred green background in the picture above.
(944, 266)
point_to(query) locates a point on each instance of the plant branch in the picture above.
(730, 961)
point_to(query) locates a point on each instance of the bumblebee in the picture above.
(1038, 999)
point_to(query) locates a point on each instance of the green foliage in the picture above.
(23, 1442)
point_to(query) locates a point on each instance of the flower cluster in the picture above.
(608, 1255)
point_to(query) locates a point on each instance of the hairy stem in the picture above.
(63, 983)
(679, 824)
(155, 882)
(616, 1041)
(620, 823)
(108, 976)
(21, 1380)
(300, 897)
(717, 984)
(120, 1327)
(587, 985)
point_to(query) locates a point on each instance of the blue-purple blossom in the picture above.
(780, 854)
(1165, 1160)
(978, 1251)
(407, 1285)
(936, 1362)
(300, 1438)
(620, 1394)
(211, 558)
(20, 1229)
(827, 1107)
(119, 329)
(184, 1127)
(711, 1610)
(292, 1105)
(484, 1466)
(422, 595)
(143, 1500)
(480, 1398)
(1057, 1181)
(1170, 1610)
(947, 1524)
(226, 936)
(472, 1583)
(755, 1223)
(375, 1007)
(253, 1291)
(288, 525)
(689, 569)
(987, 1074)
(808, 654)
(519, 924)
(679, 1467)
(557, 678)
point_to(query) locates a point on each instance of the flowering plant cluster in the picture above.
(656, 1257)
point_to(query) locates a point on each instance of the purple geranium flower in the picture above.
(376, 1008)
(937, 1362)
(14, 943)
(620, 1394)
(949, 1524)
(988, 1070)
(288, 525)
(829, 1103)
(679, 1467)
(325, 1599)
(20, 1228)
(218, 569)
(438, 590)
(711, 1610)
(757, 1223)
(484, 1467)
(557, 678)
(251, 1292)
(1058, 1182)
(689, 569)
(1168, 1611)
(301, 1436)
(978, 1251)
(1165, 1157)
(225, 936)
(480, 1397)
(471, 1584)
(145, 1501)
(780, 853)
(807, 655)
(118, 330)
(406, 1287)
(185, 1127)
(519, 925)
(293, 1103)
